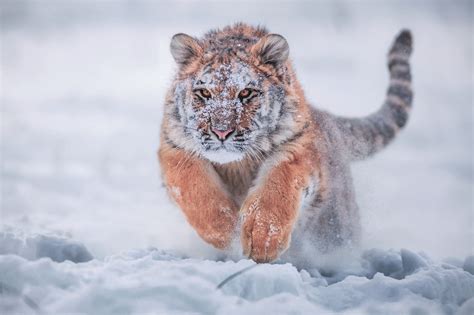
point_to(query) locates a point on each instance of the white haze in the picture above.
(82, 104)
(82, 87)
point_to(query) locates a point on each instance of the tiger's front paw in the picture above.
(221, 228)
(265, 235)
(219, 238)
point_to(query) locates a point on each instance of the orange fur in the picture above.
(270, 210)
(302, 162)
(206, 188)
(194, 185)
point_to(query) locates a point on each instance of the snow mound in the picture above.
(144, 281)
(32, 247)
(469, 265)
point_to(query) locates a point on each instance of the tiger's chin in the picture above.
(223, 156)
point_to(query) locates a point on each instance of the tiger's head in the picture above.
(233, 95)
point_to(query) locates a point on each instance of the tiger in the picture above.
(246, 157)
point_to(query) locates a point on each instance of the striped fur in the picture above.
(364, 137)
(242, 151)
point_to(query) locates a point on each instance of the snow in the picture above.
(469, 265)
(37, 246)
(82, 87)
(150, 280)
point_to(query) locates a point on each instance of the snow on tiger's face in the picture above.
(228, 108)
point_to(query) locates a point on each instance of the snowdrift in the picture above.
(56, 275)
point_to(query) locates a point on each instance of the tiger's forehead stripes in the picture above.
(228, 79)
(224, 63)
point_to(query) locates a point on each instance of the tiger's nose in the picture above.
(222, 134)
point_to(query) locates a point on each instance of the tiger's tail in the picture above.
(366, 136)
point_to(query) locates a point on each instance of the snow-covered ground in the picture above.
(156, 282)
(81, 91)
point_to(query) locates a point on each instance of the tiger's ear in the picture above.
(272, 49)
(184, 48)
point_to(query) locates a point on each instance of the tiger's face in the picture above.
(228, 103)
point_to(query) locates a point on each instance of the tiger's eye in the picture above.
(244, 93)
(205, 93)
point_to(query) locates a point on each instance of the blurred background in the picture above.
(83, 82)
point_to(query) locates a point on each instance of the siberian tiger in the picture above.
(242, 150)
